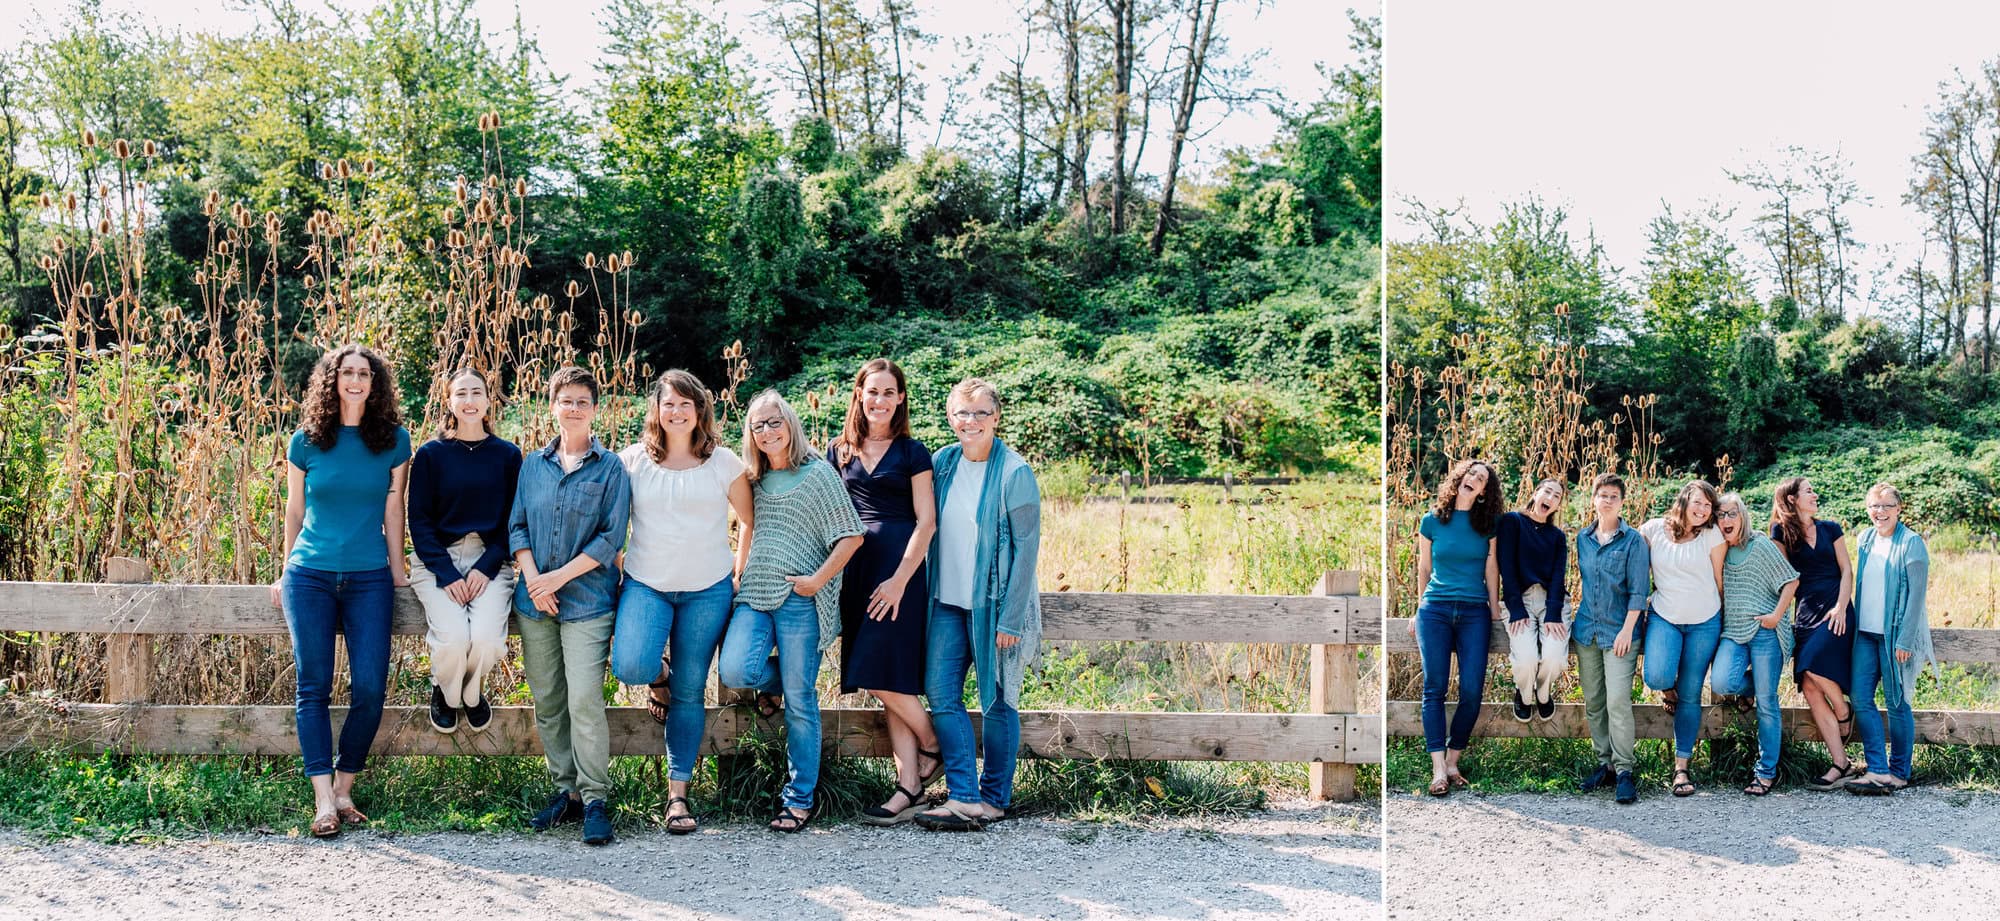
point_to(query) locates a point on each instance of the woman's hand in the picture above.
(545, 585)
(1902, 655)
(1769, 621)
(1007, 640)
(887, 599)
(475, 583)
(1622, 646)
(399, 577)
(1555, 630)
(1516, 627)
(278, 592)
(1838, 619)
(806, 586)
(546, 604)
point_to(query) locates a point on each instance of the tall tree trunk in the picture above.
(1075, 118)
(1124, 29)
(1201, 32)
(896, 41)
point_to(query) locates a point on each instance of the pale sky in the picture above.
(1611, 109)
(1294, 35)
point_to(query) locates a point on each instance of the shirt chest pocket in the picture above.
(582, 503)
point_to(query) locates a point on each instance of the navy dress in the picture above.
(883, 655)
(1819, 651)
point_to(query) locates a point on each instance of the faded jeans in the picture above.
(1765, 659)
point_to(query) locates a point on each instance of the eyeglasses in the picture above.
(766, 425)
(971, 415)
(1730, 515)
(1883, 506)
(567, 405)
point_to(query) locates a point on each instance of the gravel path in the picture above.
(1296, 861)
(1795, 854)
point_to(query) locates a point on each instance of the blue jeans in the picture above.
(1766, 661)
(357, 604)
(948, 658)
(692, 623)
(1444, 628)
(1676, 658)
(1868, 722)
(746, 662)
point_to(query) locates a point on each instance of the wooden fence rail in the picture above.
(1228, 481)
(1936, 727)
(1330, 735)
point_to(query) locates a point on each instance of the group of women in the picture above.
(1707, 598)
(922, 565)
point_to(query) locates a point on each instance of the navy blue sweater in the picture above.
(1530, 554)
(459, 488)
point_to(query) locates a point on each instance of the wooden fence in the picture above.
(1228, 481)
(1937, 727)
(1332, 734)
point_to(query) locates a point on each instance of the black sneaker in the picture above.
(1521, 714)
(561, 810)
(1628, 788)
(443, 718)
(478, 716)
(1599, 779)
(1546, 709)
(597, 822)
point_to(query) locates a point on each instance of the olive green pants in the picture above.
(566, 665)
(1607, 702)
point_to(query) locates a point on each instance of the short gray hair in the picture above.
(1734, 500)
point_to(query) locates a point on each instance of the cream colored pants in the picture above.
(465, 639)
(1538, 659)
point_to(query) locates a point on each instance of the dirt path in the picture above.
(1296, 861)
(1920, 853)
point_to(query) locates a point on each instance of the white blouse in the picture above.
(680, 520)
(1684, 589)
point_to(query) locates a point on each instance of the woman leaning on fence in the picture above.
(461, 494)
(1533, 555)
(985, 607)
(1757, 588)
(1613, 565)
(886, 590)
(1457, 565)
(1892, 639)
(566, 530)
(679, 569)
(790, 593)
(1685, 620)
(1823, 666)
(345, 472)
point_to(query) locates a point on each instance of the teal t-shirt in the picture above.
(347, 490)
(1458, 559)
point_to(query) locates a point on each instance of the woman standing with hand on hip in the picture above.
(986, 607)
(679, 570)
(1757, 588)
(461, 495)
(886, 592)
(1457, 565)
(346, 468)
(1823, 666)
(1892, 639)
(1686, 619)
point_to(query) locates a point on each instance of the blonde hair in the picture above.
(973, 388)
(1895, 495)
(801, 450)
(1728, 501)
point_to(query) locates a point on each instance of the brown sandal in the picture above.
(1458, 781)
(769, 705)
(325, 825)
(1439, 787)
(350, 815)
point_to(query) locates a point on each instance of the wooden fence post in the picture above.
(1228, 484)
(128, 661)
(1336, 670)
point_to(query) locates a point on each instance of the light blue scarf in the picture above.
(1905, 624)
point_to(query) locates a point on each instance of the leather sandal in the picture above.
(790, 822)
(1683, 787)
(957, 817)
(685, 823)
(350, 815)
(1440, 786)
(1457, 780)
(325, 825)
(936, 770)
(1759, 786)
(768, 705)
(883, 817)
(655, 707)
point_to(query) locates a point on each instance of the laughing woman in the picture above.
(1824, 666)
(1892, 642)
(1460, 573)
(1686, 619)
(345, 472)
(790, 594)
(1533, 554)
(1757, 588)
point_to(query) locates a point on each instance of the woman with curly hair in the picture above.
(1455, 615)
(345, 471)
(1684, 622)
(1823, 666)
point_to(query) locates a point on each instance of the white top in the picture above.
(1684, 589)
(680, 520)
(1871, 606)
(958, 534)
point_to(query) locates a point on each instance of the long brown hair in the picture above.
(381, 415)
(684, 384)
(1677, 514)
(1785, 513)
(1485, 510)
(856, 428)
(449, 427)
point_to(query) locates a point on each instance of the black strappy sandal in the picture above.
(790, 822)
(936, 771)
(682, 824)
(885, 818)
(769, 705)
(1759, 786)
(655, 707)
(1683, 788)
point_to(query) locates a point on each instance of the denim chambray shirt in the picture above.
(559, 515)
(1616, 578)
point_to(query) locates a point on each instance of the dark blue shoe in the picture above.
(597, 822)
(561, 809)
(1628, 789)
(1599, 779)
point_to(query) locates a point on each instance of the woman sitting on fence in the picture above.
(461, 494)
(985, 607)
(1892, 640)
(1533, 555)
(679, 569)
(1824, 666)
(1757, 588)
(886, 593)
(566, 531)
(790, 594)
(1686, 614)
(1460, 573)
(346, 469)
(1613, 565)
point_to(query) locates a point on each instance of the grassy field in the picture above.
(1277, 543)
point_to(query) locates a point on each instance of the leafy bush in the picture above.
(1945, 477)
